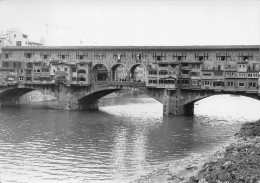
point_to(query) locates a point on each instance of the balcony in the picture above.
(187, 68)
(166, 86)
(185, 86)
(185, 76)
(252, 90)
(195, 87)
(151, 85)
(208, 69)
(230, 68)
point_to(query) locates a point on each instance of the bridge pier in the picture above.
(174, 103)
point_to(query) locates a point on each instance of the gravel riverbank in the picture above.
(237, 161)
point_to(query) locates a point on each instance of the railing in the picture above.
(185, 68)
(120, 83)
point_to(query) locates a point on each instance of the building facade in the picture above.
(218, 68)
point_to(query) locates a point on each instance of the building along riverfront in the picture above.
(176, 76)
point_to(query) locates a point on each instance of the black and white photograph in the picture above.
(129, 91)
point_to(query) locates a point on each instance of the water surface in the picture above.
(119, 143)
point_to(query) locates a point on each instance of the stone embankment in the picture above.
(236, 162)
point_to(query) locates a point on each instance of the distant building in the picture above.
(14, 37)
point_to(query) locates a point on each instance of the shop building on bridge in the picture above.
(218, 68)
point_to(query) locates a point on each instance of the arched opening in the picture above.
(100, 73)
(137, 73)
(14, 93)
(227, 106)
(119, 73)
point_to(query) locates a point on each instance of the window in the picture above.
(28, 71)
(230, 83)
(219, 67)
(173, 66)
(179, 57)
(17, 64)
(159, 57)
(152, 72)
(241, 74)
(66, 69)
(63, 55)
(139, 56)
(81, 65)
(206, 74)
(241, 84)
(99, 55)
(28, 55)
(14, 35)
(18, 43)
(81, 56)
(163, 65)
(195, 66)
(166, 81)
(252, 75)
(245, 57)
(45, 55)
(74, 79)
(196, 74)
(20, 78)
(82, 71)
(223, 57)
(5, 64)
(194, 82)
(163, 72)
(7, 54)
(201, 57)
(230, 73)
(184, 82)
(152, 81)
(73, 69)
(185, 72)
(252, 84)
(82, 79)
(206, 83)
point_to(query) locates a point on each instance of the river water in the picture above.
(128, 137)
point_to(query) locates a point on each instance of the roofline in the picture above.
(130, 48)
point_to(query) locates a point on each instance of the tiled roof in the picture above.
(141, 48)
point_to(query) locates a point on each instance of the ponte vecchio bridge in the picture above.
(176, 76)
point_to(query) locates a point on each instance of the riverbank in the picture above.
(237, 161)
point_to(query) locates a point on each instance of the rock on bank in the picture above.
(239, 162)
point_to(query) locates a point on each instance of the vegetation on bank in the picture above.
(239, 162)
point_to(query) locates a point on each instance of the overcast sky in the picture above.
(134, 22)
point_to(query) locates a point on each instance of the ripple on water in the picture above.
(116, 144)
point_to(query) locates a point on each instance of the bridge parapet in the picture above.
(120, 83)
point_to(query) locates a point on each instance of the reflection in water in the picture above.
(116, 144)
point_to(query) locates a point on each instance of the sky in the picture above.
(134, 22)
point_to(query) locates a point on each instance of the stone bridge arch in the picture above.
(132, 69)
(100, 72)
(118, 72)
(12, 96)
(187, 100)
(89, 100)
